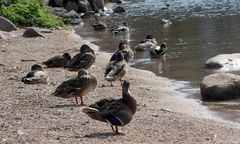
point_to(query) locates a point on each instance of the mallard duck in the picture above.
(126, 50)
(116, 112)
(36, 75)
(83, 60)
(165, 22)
(158, 50)
(120, 28)
(115, 70)
(58, 61)
(78, 86)
(145, 44)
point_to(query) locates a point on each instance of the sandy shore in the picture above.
(164, 115)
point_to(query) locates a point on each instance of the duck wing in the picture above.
(57, 61)
(81, 61)
(114, 68)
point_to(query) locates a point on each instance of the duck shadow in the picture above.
(64, 106)
(103, 135)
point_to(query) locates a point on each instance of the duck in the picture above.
(158, 50)
(36, 76)
(83, 60)
(116, 112)
(58, 61)
(126, 50)
(78, 86)
(115, 70)
(120, 28)
(145, 44)
(165, 22)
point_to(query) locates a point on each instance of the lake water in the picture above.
(200, 29)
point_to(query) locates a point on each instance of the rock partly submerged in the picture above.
(224, 62)
(220, 86)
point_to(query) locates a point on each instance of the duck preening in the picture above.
(115, 70)
(126, 50)
(36, 75)
(58, 61)
(83, 60)
(116, 112)
(145, 44)
(120, 28)
(158, 50)
(77, 87)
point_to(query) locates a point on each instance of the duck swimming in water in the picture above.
(36, 76)
(158, 50)
(145, 44)
(116, 112)
(120, 28)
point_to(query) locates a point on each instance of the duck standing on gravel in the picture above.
(77, 87)
(120, 28)
(115, 70)
(36, 75)
(83, 60)
(58, 61)
(126, 50)
(115, 112)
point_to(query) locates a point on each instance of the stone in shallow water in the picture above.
(224, 62)
(220, 86)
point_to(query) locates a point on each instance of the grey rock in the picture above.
(119, 9)
(96, 4)
(224, 62)
(24, 136)
(83, 6)
(220, 86)
(32, 32)
(55, 3)
(71, 5)
(6, 35)
(60, 12)
(6, 25)
(73, 17)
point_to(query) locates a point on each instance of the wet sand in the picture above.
(164, 115)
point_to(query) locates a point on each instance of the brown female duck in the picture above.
(82, 60)
(58, 61)
(126, 50)
(116, 112)
(115, 70)
(77, 87)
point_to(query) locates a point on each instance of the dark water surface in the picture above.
(200, 29)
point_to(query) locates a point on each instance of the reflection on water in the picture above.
(200, 29)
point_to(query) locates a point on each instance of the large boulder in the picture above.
(80, 6)
(220, 86)
(6, 35)
(119, 9)
(73, 17)
(58, 11)
(224, 62)
(83, 6)
(6, 25)
(56, 3)
(96, 4)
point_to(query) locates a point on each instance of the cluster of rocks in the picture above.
(7, 27)
(222, 85)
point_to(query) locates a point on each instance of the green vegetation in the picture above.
(29, 13)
